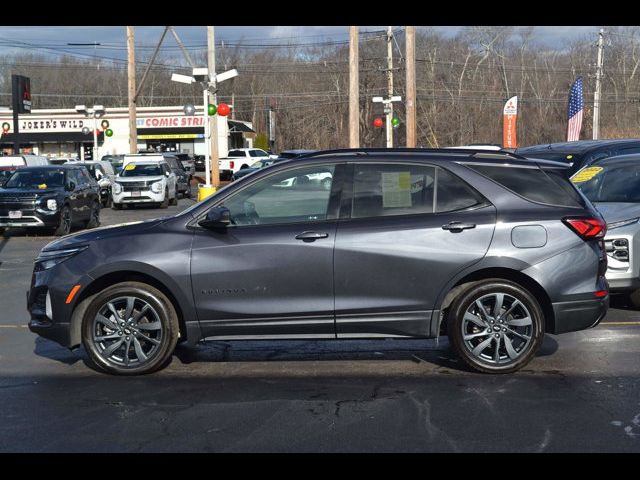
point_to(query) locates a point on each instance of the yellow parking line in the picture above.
(619, 323)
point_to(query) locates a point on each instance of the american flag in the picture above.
(575, 111)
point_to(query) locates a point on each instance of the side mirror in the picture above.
(218, 217)
(71, 186)
(167, 173)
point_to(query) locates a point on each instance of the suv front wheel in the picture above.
(130, 328)
(496, 326)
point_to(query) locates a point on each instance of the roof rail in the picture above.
(469, 152)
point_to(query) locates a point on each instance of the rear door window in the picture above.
(533, 184)
(396, 189)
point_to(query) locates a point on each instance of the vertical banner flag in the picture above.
(575, 110)
(509, 117)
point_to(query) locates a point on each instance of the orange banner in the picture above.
(509, 118)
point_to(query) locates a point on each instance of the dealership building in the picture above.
(59, 132)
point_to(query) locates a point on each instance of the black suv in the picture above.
(490, 249)
(55, 197)
(582, 152)
(183, 177)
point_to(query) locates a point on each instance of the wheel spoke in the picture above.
(496, 353)
(510, 309)
(476, 335)
(523, 337)
(470, 317)
(481, 346)
(138, 315)
(107, 337)
(149, 326)
(126, 352)
(107, 352)
(519, 322)
(483, 312)
(498, 305)
(113, 310)
(106, 321)
(509, 346)
(138, 348)
(130, 302)
(149, 339)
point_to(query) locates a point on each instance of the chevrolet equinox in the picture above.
(488, 248)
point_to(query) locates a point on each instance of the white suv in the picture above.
(145, 179)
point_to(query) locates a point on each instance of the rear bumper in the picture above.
(579, 315)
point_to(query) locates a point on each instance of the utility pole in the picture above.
(389, 106)
(596, 96)
(272, 121)
(131, 76)
(354, 83)
(410, 46)
(213, 119)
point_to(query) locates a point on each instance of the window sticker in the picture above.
(130, 166)
(586, 174)
(396, 189)
(42, 186)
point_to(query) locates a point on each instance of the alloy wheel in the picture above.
(497, 328)
(127, 331)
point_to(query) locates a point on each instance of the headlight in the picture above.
(622, 223)
(156, 187)
(47, 260)
(117, 188)
(52, 204)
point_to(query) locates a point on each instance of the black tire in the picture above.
(116, 206)
(165, 202)
(174, 200)
(94, 216)
(107, 202)
(166, 336)
(2, 230)
(66, 220)
(496, 328)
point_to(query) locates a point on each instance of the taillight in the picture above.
(586, 228)
(231, 164)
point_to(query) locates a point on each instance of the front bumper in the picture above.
(145, 196)
(31, 218)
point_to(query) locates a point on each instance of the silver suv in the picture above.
(613, 186)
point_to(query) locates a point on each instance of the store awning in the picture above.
(238, 127)
(51, 137)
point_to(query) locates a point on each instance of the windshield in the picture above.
(620, 183)
(141, 170)
(36, 179)
(261, 163)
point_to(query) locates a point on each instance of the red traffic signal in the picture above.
(378, 122)
(223, 109)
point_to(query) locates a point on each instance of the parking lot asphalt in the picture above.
(580, 394)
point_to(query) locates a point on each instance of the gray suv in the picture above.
(489, 248)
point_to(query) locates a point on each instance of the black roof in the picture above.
(579, 146)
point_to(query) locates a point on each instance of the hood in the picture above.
(33, 191)
(141, 178)
(85, 237)
(617, 212)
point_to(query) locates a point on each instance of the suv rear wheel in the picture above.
(496, 326)
(94, 216)
(130, 328)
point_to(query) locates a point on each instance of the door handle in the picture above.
(311, 236)
(458, 226)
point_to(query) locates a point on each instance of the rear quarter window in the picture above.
(549, 186)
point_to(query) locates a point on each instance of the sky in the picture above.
(113, 39)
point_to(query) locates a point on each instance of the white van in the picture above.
(11, 162)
